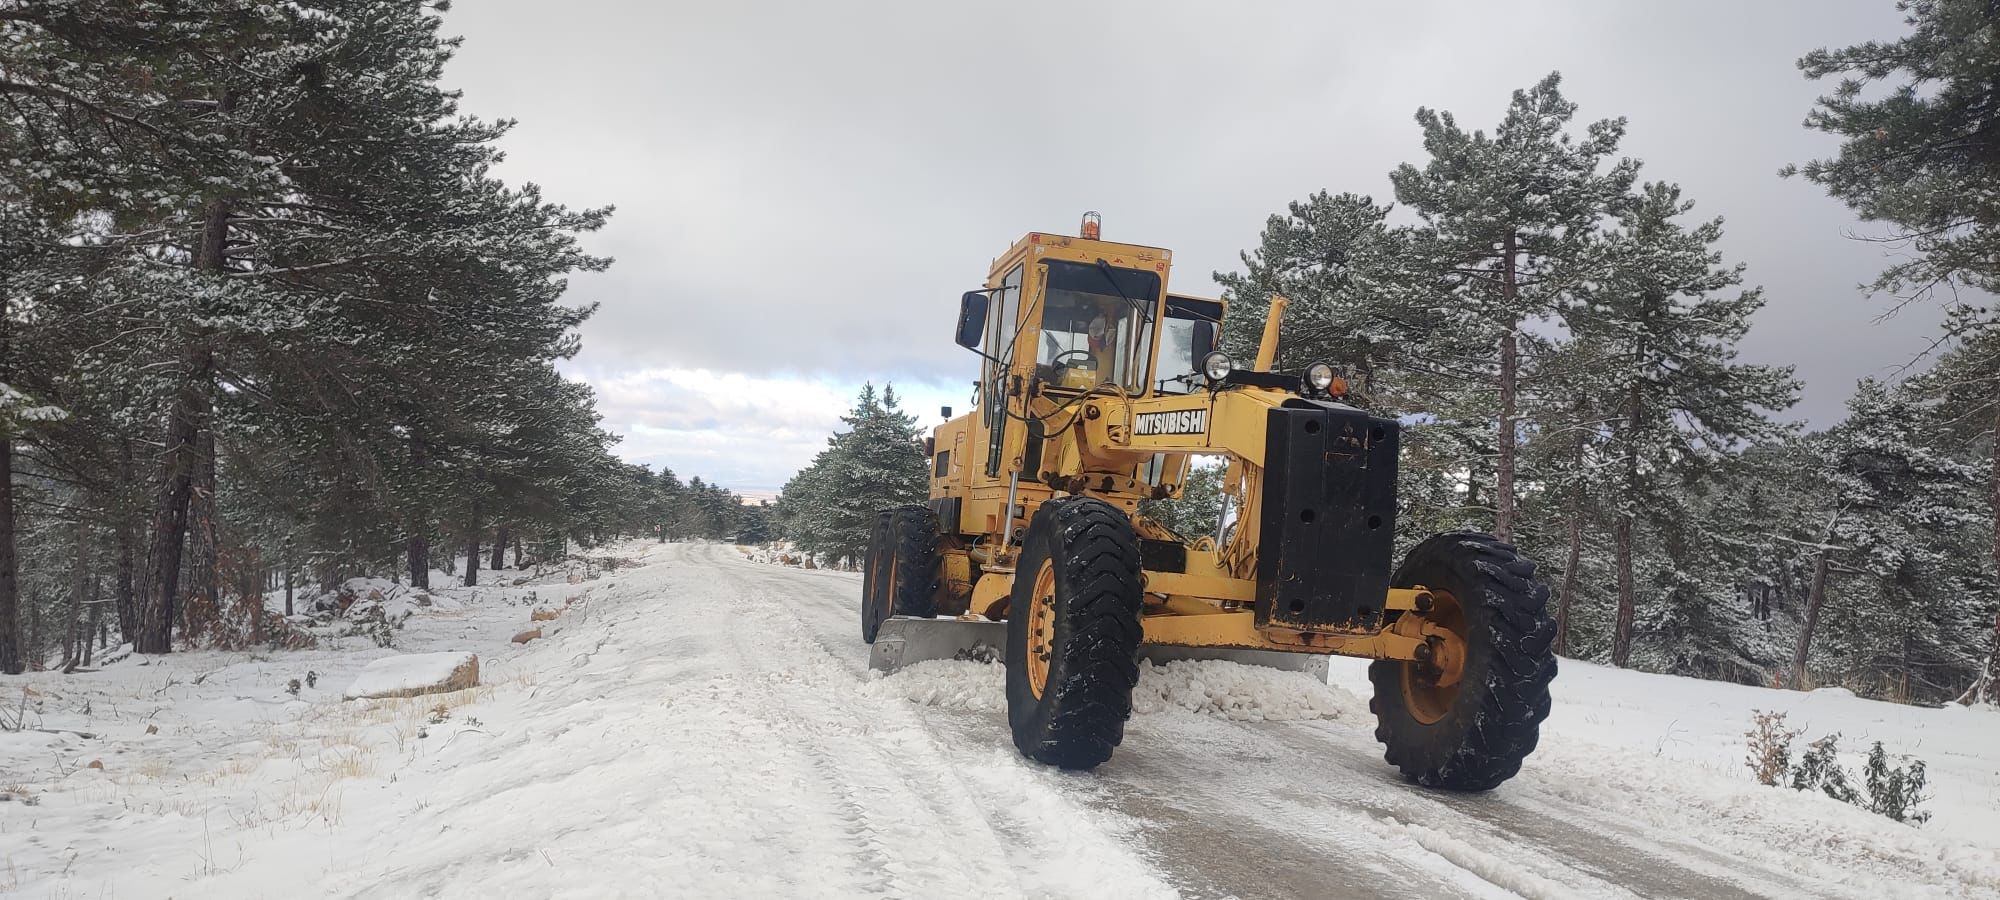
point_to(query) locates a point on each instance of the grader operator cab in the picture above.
(1098, 390)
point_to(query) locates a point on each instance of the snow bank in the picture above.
(1205, 687)
(412, 674)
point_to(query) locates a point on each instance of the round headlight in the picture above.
(1217, 365)
(1319, 376)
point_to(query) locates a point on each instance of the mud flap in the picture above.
(903, 640)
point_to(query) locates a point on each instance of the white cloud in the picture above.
(746, 432)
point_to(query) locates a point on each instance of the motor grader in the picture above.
(1099, 389)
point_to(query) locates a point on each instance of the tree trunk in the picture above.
(32, 655)
(121, 587)
(1986, 688)
(187, 418)
(252, 594)
(1989, 681)
(1621, 637)
(419, 549)
(11, 661)
(93, 633)
(288, 588)
(1621, 642)
(500, 549)
(472, 548)
(1815, 595)
(204, 609)
(79, 586)
(1503, 512)
(10, 604)
(1569, 579)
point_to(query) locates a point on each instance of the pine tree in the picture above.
(877, 463)
(1907, 517)
(1507, 225)
(1664, 326)
(1918, 158)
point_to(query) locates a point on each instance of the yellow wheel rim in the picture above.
(1430, 690)
(1041, 628)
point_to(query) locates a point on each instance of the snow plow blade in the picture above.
(903, 640)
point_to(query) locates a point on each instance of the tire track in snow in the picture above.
(1205, 847)
(975, 797)
(1228, 830)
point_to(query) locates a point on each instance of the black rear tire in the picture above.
(1494, 720)
(1078, 716)
(899, 575)
(875, 577)
(915, 573)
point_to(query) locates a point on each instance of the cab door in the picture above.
(1003, 326)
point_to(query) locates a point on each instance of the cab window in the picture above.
(1096, 326)
(1178, 368)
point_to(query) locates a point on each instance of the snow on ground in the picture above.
(703, 725)
(153, 774)
(413, 673)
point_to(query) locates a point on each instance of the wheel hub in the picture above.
(1041, 628)
(1431, 680)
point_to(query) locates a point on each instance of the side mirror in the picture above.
(944, 411)
(972, 319)
(1204, 340)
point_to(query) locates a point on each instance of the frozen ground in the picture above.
(705, 725)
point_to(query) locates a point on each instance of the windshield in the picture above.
(1090, 334)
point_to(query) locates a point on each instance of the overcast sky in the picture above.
(804, 189)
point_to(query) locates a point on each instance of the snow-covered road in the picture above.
(704, 725)
(1215, 807)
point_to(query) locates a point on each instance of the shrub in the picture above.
(1770, 747)
(1894, 791)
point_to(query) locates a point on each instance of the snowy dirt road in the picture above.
(1208, 806)
(703, 725)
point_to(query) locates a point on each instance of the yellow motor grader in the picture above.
(1098, 390)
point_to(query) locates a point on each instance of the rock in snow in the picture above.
(415, 674)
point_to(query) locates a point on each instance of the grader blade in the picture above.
(904, 640)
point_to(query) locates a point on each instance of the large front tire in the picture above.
(1472, 735)
(1073, 633)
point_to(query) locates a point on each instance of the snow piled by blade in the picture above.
(1206, 687)
(410, 672)
(948, 684)
(1237, 692)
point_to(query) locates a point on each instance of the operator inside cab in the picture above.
(1090, 334)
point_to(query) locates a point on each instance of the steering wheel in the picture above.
(1083, 360)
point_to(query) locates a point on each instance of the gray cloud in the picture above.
(804, 188)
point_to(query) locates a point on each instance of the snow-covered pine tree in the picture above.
(665, 505)
(1918, 159)
(1361, 302)
(1910, 516)
(288, 204)
(1507, 225)
(1664, 320)
(877, 463)
(1962, 392)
